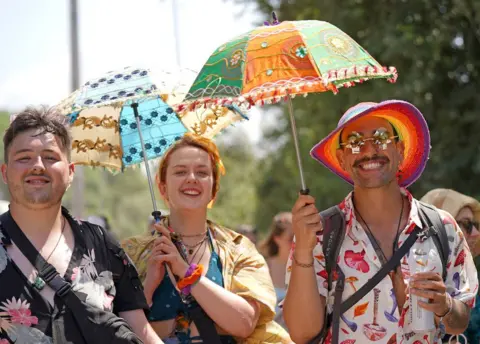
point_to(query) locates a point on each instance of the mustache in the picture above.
(374, 158)
(36, 175)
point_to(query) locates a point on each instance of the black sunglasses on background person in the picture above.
(468, 224)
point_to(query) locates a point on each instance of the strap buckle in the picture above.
(61, 287)
(427, 233)
(48, 273)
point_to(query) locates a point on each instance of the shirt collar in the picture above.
(347, 207)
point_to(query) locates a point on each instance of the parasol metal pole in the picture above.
(304, 190)
(156, 213)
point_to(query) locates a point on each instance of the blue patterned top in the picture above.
(166, 300)
(167, 303)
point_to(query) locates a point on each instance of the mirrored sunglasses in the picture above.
(381, 138)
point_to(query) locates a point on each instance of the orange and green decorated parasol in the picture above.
(278, 61)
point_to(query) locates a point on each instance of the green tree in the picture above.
(123, 198)
(435, 45)
(4, 122)
(237, 199)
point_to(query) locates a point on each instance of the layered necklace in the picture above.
(179, 240)
(374, 241)
(194, 247)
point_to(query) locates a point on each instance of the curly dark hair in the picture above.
(47, 119)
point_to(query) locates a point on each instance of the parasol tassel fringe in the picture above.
(271, 95)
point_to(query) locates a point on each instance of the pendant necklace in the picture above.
(191, 248)
(374, 241)
(39, 283)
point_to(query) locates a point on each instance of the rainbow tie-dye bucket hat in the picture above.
(411, 128)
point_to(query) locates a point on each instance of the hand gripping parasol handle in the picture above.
(156, 213)
(304, 190)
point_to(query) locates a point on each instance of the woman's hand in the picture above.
(168, 252)
(155, 273)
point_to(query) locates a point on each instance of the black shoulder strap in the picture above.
(432, 220)
(332, 239)
(49, 275)
(333, 222)
(205, 325)
(385, 269)
(45, 271)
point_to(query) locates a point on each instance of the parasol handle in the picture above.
(304, 190)
(156, 214)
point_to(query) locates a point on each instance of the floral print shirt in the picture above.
(376, 317)
(97, 275)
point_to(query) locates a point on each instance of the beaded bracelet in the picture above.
(302, 265)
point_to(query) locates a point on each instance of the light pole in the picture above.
(79, 180)
(176, 32)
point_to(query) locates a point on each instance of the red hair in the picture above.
(193, 140)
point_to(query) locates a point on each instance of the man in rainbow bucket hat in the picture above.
(393, 270)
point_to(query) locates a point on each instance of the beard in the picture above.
(40, 197)
(44, 197)
(385, 180)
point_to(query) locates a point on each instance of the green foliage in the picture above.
(435, 46)
(4, 122)
(123, 198)
(236, 201)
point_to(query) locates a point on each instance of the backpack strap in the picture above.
(432, 220)
(333, 223)
(333, 234)
(384, 270)
(50, 276)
